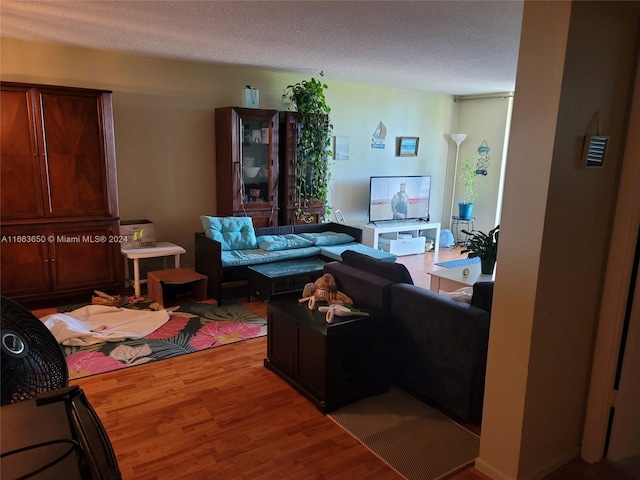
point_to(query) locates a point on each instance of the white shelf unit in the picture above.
(399, 236)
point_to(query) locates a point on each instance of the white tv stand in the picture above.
(392, 231)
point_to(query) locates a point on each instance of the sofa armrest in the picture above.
(441, 349)
(482, 295)
(208, 261)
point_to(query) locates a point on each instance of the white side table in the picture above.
(162, 249)
(454, 278)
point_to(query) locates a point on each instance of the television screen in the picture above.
(399, 198)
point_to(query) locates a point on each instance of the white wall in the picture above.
(356, 112)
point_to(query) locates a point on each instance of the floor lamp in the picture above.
(458, 138)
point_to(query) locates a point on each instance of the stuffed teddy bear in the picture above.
(324, 289)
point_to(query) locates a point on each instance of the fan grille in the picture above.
(37, 367)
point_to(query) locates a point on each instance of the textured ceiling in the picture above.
(455, 47)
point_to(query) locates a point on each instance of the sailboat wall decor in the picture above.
(378, 137)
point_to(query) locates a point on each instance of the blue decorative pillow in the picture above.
(325, 239)
(234, 233)
(273, 243)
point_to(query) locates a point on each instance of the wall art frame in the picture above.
(408, 146)
(340, 147)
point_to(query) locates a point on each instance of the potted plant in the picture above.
(313, 149)
(485, 246)
(468, 178)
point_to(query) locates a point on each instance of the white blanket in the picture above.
(98, 324)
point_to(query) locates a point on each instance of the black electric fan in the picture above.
(32, 361)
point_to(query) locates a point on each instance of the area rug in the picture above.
(415, 440)
(192, 327)
(459, 263)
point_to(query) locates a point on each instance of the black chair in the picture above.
(32, 360)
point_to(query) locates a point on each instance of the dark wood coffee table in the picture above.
(330, 364)
(280, 277)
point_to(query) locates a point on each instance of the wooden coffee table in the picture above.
(450, 279)
(280, 277)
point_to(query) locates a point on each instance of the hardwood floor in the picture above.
(220, 414)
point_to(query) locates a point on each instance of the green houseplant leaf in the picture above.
(314, 141)
(483, 245)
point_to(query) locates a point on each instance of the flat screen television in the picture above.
(399, 198)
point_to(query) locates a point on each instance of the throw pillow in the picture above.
(324, 239)
(234, 233)
(273, 243)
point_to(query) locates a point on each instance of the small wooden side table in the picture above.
(162, 249)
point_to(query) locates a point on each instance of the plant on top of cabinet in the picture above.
(313, 149)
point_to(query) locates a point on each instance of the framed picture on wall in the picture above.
(408, 146)
(340, 148)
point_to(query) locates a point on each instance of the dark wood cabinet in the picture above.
(58, 198)
(247, 164)
(24, 265)
(290, 132)
(59, 258)
(330, 364)
(20, 169)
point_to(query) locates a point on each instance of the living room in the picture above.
(163, 116)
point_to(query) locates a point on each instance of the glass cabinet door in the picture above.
(247, 164)
(256, 160)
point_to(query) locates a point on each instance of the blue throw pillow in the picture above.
(234, 233)
(273, 243)
(325, 239)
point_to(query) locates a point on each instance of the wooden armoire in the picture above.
(58, 195)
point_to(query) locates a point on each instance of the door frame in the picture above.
(616, 291)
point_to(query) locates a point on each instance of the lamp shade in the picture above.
(458, 137)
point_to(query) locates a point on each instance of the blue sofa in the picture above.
(229, 245)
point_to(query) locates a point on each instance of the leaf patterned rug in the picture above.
(192, 327)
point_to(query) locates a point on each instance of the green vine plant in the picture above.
(314, 141)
